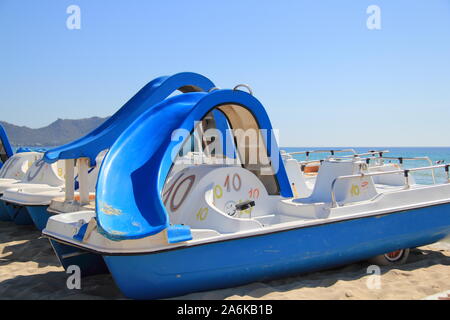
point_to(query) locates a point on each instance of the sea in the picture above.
(436, 155)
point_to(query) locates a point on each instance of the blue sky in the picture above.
(323, 76)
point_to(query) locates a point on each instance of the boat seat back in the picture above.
(17, 165)
(346, 190)
(45, 173)
(395, 179)
(296, 179)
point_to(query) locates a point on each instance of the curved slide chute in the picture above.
(133, 174)
(6, 150)
(102, 137)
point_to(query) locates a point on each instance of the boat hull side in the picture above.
(39, 215)
(18, 214)
(236, 262)
(4, 216)
(89, 263)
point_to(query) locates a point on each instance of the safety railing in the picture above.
(405, 173)
(380, 154)
(332, 152)
(380, 159)
(401, 160)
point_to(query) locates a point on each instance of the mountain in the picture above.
(59, 132)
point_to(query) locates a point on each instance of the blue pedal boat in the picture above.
(88, 152)
(234, 218)
(41, 177)
(88, 148)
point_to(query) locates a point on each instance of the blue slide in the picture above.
(104, 136)
(6, 150)
(132, 177)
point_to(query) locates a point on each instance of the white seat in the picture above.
(346, 190)
(296, 178)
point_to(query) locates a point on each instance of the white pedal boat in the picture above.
(37, 199)
(220, 225)
(40, 176)
(12, 172)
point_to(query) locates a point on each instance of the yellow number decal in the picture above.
(218, 192)
(202, 214)
(248, 211)
(354, 191)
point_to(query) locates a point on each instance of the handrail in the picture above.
(369, 153)
(354, 155)
(332, 151)
(401, 159)
(309, 161)
(405, 173)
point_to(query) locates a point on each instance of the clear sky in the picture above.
(323, 76)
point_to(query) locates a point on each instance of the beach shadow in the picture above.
(23, 244)
(423, 258)
(37, 250)
(418, 259)
(53, 285)
(9, 231)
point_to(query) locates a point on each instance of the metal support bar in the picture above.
(332, 152)
(69, 179)
(83, 168)
(406, 174)
(370, 153)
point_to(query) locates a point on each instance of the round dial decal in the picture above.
(230, 208)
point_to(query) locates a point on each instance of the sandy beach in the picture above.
(30, 270)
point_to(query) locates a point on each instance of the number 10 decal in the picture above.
(169, 195)
(236, 182)
(253, 193)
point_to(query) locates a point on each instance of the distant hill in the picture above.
(59, 132)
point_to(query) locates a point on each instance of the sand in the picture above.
(30, 270)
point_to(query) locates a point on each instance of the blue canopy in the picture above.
(103, 137)
(132, 177)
